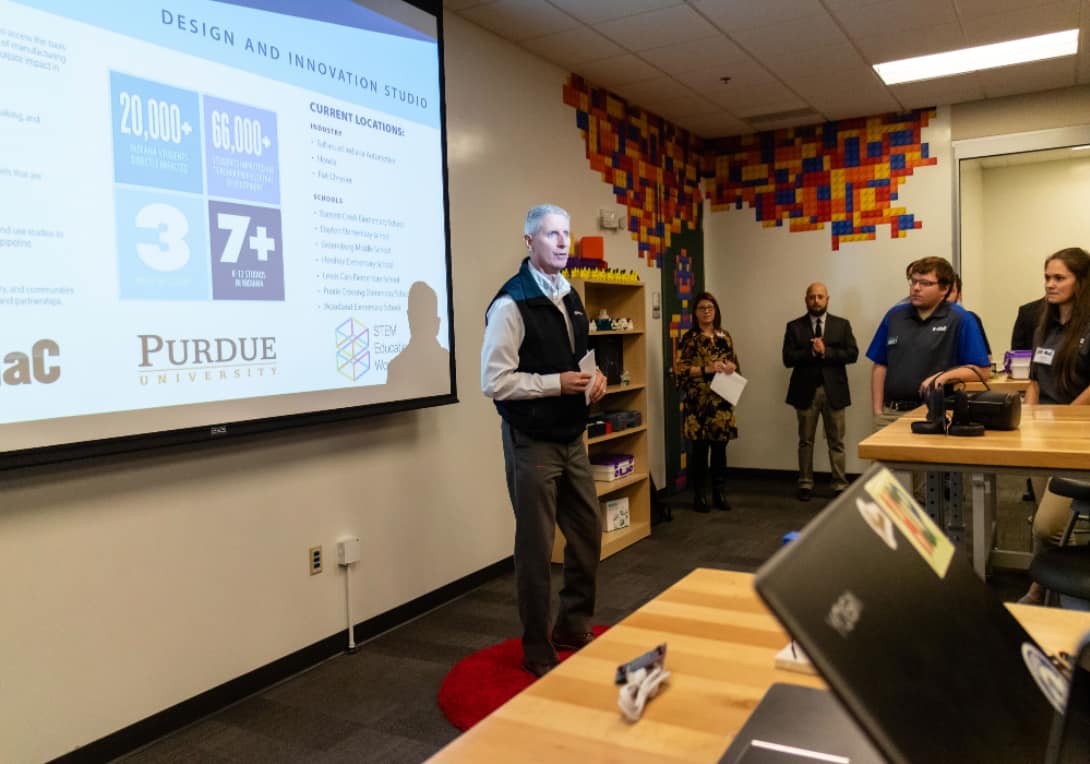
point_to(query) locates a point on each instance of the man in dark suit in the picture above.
(817, 347)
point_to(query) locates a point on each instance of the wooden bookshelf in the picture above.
(621, 300)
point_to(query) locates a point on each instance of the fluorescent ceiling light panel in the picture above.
(1039, 48)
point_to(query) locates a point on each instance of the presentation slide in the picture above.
(217, 211)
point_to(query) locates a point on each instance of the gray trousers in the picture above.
(550, 485)
(832, 420)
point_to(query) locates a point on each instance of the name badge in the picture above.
(1043, 356)
(891, 341)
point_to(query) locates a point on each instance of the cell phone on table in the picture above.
(647, 660)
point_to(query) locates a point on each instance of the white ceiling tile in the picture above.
(573, 47)
(706, 53)
(1024, 22)
(1027, 78)
(593, 11)
(520, 19)
(656, 88)
(827, 61)
(754, 101)
(618, 70)
(785, 39)
(968, 9)
(460, 5)
(744, 74)
(856, 94)
(895, 16)
(846, 6)
(750, 14)
(679, 106)
(893, 46)
(915, 95)
(655, 29)
(714, 125)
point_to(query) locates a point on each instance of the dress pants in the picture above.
(550, 485)
(833, 424)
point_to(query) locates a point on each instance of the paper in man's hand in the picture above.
(588, 365)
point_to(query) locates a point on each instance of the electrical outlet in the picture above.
(315, 560)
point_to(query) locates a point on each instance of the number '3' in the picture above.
(172, 252)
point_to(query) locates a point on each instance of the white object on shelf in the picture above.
(616, 514)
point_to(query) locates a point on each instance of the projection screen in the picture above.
(218, 216)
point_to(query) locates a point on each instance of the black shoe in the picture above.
(576, 641)
(537, 669)
(700, 503)
(719, 499)
(840, 490)
(805, 494)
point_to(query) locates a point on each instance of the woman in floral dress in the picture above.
(708, 420)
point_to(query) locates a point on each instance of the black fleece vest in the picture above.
(545, 350)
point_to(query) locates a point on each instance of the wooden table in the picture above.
(721, 646)
(1051, 440)
(1003, 383)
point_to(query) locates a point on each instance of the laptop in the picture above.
(800, 725)
(919, 652)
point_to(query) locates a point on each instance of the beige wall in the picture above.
(1028, 211)
(131, 584)
(1066, 107)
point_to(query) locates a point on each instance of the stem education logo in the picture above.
(353, 339)
(187, 360)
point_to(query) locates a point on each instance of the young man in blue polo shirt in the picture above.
(923, 342)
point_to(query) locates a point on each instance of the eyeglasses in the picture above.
(922, 283)
(705, 307)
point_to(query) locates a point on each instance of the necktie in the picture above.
(817, 328)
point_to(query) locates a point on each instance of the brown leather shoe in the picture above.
(537, 669)
(571, 641)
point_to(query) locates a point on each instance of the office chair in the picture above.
(1065, 570)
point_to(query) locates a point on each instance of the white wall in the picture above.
(760, 276)
(131, 584)
(1028, 211)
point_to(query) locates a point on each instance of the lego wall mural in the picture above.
(653, 165)
(843, 174)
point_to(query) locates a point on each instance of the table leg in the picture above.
(984, 501)
(954, 509)
(932, 497)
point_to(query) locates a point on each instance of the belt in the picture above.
(902, 405)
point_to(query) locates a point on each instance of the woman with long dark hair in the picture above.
(1060, 373)
(708, 424)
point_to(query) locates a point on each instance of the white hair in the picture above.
(537, 214)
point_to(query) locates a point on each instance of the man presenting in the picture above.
(535, 335)
(924, 342)
(817, 347)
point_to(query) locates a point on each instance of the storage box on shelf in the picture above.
(620, 300)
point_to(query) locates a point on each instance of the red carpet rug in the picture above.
(482, 682)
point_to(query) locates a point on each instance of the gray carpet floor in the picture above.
(379, 704)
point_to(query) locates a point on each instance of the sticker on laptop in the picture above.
(1052, 683)
(877, 520)
(920, 530)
